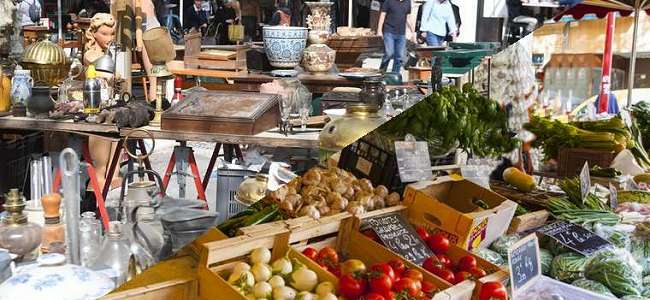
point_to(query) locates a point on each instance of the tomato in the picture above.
(438, 243)
(466, 263)
(310, 252)
(328, 257)
(428, 287)
(351, 287)
(373, 296)
(380, 283)
(413, 274)
(384, 268)
(431, 263)
(407, 285)
(446, 274)
(477, 272)
(461, 275)
(336, 270)
(493, 290)
(422, 232)
(445, 260)
(398, 266)
(389, 296)
(352, 266)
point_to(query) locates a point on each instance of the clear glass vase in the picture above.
(114, 254)
(89, 237)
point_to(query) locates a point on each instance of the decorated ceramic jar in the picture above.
(52, 278)
(21, 86)
(284, 45)
(318, 58)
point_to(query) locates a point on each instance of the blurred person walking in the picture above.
(393, 20)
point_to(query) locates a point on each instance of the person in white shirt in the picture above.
(437, 16)
(22, 12)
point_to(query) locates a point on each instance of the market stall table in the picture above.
(316, 83)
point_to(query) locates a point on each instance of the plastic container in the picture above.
(228, 181)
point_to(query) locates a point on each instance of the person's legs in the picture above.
(400, 51)
(389, 50)
(434, 40)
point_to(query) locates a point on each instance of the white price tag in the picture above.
(413, 160)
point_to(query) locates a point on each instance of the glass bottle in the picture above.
(16, 234)
(53, 230)
(114, 253)
(89, 237)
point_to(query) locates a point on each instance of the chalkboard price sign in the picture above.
(399, 236)
(575, 237)
(524, 262)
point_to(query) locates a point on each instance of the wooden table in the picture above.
(316, 83)
(25, 123)
(177, 67)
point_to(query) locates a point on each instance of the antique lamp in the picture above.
(160, 50)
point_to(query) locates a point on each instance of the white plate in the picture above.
(359, 75)
(284, 73)
(334, 113)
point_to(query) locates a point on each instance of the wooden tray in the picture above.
(217, 55)
(223, 112)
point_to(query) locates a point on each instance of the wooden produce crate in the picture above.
(528, 221)
(348, 49)
(571, 160)
(222, 255)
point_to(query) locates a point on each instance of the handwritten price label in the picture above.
(400, 237)
(574, 237)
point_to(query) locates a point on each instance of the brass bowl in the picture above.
(47, 61)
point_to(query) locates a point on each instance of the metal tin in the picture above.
(92, 96)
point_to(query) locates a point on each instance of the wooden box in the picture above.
(349, 49)
(224, 112)
(571, 160)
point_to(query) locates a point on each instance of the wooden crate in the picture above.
(348, 49)
(177, 289)
(528, 221)
(571, 160)
(222, 255)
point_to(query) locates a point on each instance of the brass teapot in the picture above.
(47, 61)
(359, 120)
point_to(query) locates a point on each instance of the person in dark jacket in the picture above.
(282, 15)
(196, 17)
(456, 9)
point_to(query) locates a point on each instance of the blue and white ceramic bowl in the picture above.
(51, 278)
(284, 45)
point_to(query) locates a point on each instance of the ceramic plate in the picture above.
(284, 73)
(359, 75)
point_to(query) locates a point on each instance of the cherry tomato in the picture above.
(428, 287)
(373, 296)
(380, 283)
(461, 275)
(431, 263)
(446, 274)
(398, 267)
(445, 260)
(351, 287)
(422, 232)
(466, 263)
(310, 252)
(438, 243)
(493, 290)
(383, 268)
(407, 285)
(328, 257)
(413, 274)
(477, 272)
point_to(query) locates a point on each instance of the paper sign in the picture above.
(400, 237)
(524, 263)
(575, 237)
(413, 161)
(627, 119)
(585, 182)
(613, 196)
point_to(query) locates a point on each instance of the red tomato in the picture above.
(373, 296)
(461, 275)
(493, 290)
(438, 243)
(310, 252)
(428, 287)
(351, 287)
(445, 260)
(389, 296)
(466, 263)
(413, 274)
(422, 232)
(431, 263)
(446, 274)
(384, 268)
(398, 267)
(477, 272)
(407, 285)
(334, 270)
(328, 257)
(380, 283)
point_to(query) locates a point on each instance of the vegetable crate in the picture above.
(228, 181)
(571, 160)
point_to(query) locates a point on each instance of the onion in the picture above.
(261, 255)
(304, 279)
(282, 266)
(305, 296)
(240, 267)
(276, 281)
(261, 272)
(325, 287)
(245, 280)
(284, 293)
(381, 191)
(392, 199)
(328, 296)
(263, 290)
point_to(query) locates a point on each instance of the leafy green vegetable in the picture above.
(546, 258)
(502, 244)
(568, 267)
(593, 286)
(490, 256)
(617, 270)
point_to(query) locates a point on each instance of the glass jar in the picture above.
(373, 92)
(16, 234)
(89, 237)
(114, 254)
(21, 86)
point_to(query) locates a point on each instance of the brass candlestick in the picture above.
(157, 117)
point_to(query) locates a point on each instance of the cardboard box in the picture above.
(446, 205)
